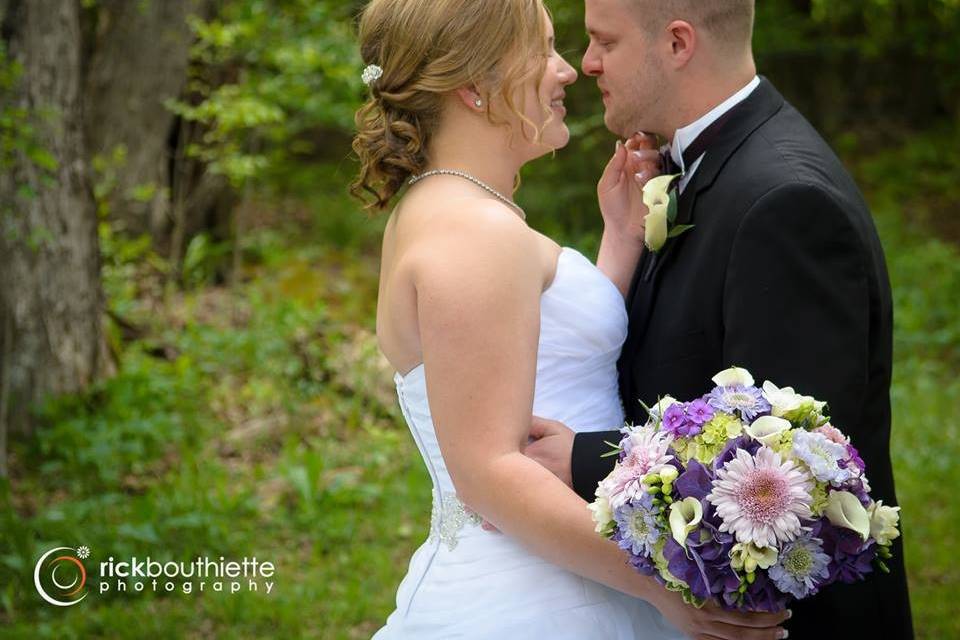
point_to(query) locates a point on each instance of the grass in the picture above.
(260, 420)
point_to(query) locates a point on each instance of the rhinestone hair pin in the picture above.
(371, 74)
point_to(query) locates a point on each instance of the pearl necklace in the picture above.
(476, 181)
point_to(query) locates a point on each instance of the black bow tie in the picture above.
(696, 148)
(668, 166)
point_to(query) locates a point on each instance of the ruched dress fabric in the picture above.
(465, 582)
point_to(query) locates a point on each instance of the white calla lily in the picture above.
(684, 518)
(844, 510)
(663, 404)
(767, 429)
(656, 197)
(655, 230)
(732, 377)
(657, 191)
(781, 400)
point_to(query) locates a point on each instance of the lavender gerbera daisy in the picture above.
(761, 498)
(637, 528)
(823, 456)
(748, 402)
(801, 568)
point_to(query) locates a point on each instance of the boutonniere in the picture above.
(660, 196)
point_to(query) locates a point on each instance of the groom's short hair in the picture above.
(730, 21)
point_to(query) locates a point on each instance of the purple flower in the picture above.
(700, 412)
(695, 482)
(643, 564)
(748, 402)
(673, 418)
(857, 488)
(688, 566)
(763, 595)
(678, 422)
(729, 452)
(801, 568)
(705, 563)
(637, 527)
(851, 559)
(853, 458)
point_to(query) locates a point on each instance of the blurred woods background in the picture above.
(187, 295)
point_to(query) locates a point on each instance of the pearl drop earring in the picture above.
(478, 102)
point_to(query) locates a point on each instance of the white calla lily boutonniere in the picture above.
(660, 197)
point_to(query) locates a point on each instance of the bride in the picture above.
(491, 321)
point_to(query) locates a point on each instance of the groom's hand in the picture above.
(551, 445)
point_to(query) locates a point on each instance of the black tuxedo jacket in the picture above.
(782, 274)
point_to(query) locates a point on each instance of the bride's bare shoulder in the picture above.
(460, 237)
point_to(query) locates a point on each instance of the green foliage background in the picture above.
(259, 419)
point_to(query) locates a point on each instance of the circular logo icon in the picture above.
(63, 576)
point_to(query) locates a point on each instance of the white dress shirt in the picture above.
(686, 135)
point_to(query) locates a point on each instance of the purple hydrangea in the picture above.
(694, 482)
(729, 452)
(801, 568)
(705, 562)
(747, 402)
(851, 559)
(763, 595)
(644, 564)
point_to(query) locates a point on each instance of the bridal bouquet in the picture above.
(746, 495)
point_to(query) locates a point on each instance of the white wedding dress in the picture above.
(465, 582)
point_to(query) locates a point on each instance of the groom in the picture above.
(782, 273)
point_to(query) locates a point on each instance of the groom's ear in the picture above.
(683, 41)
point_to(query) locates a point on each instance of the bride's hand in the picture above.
(715, 623)
(620, 190)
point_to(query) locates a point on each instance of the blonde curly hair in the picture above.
(427, 49)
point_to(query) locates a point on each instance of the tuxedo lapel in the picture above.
(744, 119)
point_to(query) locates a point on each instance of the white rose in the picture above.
(602, 513)
(883, 522)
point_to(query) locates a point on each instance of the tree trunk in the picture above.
(139, 57)
(51, 300)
